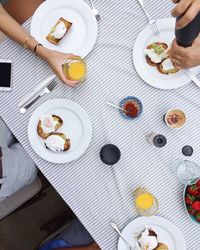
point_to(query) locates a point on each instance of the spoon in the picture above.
(115, 106)
(115, 227)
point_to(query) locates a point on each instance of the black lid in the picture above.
(187, 150)
(159, 141)
(110, 154)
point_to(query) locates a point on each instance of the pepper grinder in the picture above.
(189, 33)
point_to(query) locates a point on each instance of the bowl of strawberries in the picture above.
(188, 174)
(192, 200)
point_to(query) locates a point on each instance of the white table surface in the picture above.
(97, 193)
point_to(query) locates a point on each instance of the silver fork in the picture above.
(45, 91)
(152, 22)
(95, 11)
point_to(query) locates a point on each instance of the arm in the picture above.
(92, 246)
(188, 8)
(13, 30)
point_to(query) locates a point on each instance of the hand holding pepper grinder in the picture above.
(186, 35)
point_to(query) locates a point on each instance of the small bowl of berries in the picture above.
(132, 107)
(192, 200)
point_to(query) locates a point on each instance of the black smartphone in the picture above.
(5, 74)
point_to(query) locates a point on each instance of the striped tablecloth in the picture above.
(97, 193)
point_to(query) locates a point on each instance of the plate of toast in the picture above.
(151, 60)
(68, 26)
(60, 131)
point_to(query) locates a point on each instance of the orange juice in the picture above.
(75, 69)
(145, 203)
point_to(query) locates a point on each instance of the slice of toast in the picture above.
(67, 141)
(45, 135)
(50, 36)
(161, 246)
(162, 71)
(148, 60)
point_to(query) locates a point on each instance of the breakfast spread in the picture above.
(47, 129)
(148, 240)
(156, 55)
(192, 200)
(58, 31)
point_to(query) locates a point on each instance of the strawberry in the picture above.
(193, 190)
(198, 184)
(197, 216)
(196, 205)
(191, 211)
(189, 199)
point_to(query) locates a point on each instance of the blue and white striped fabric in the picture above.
(97, 193)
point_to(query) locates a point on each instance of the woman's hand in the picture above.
(190, 8)
(185, 57)
(55, 59)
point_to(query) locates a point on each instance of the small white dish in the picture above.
(179, 111)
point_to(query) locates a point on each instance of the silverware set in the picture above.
(44, 88)
(45, 91)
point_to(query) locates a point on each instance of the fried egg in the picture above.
(55, 142)
(167, 65)
(48, 123)
(156, 58)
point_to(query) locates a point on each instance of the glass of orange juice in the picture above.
(146, 203)
(75, 69)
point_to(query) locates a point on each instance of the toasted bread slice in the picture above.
(50, 36)
(67, 144)
(148, 60)
(161, 246)
(45, 135)
(162, 71)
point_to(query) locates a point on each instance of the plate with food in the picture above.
(151, 59)
(60, 131)
(68, 26)
(152, 233)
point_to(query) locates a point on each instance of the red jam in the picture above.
(131, 109)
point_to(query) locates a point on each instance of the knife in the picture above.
(36, 91)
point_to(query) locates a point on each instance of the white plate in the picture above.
(167, 232)
(76, 125)
(83, 33)
(150, 74)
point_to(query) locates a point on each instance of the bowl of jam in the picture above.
(132, 107)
